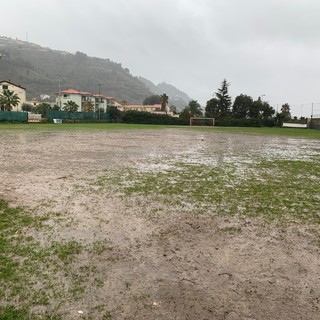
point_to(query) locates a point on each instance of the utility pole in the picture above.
(99, 101)
(59, 93)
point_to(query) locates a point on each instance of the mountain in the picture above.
(176, 97)
(44, 71)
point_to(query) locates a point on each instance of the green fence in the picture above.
(77, 116)
(315, 123)
(13, 116)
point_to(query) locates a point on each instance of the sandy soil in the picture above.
(173, 265)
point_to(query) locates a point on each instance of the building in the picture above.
(85, 100)
(154, 108)
(17, 89)
(95, 102)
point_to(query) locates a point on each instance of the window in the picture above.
(4, 87)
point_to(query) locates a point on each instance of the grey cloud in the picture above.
(262, 47)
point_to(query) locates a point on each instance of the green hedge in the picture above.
(141, 117)
(244, 122)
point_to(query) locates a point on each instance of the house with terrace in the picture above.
(91, 102)
(88, 102)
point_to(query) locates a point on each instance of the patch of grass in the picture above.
(66, 251)
(231, 230)
(127, 285)
(107, 315)
(50, 127)
(100, 247)
(10, 312)
(41, 276)
(275, 190)
(265, 131)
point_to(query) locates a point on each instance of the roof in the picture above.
(140, 106)
(117, 104)
(73, 91)
(17, 85)
(84, 93)
(70, 91)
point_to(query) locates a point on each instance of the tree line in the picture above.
(243, 111)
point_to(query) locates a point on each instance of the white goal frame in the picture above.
(196, 121)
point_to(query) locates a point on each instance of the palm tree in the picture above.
(164, 101)
(195, 108)
(8, 99)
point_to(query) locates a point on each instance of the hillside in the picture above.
(43, 70)
(176, 97)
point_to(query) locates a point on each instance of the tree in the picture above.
(185, 114)
(87, 106)
(279, 118)
(70, 106)
(41, 108)
(27, 107)
(114, 113)
(194, 108)
(241, 106)
(224, 100)
(261, 111)
(173, 109)
(8, 99)
(267, 111)
(154, 99)
(164, 102)
(285, 111)
(212, 108)
(256, 109)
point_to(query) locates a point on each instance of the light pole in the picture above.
(99, 101)
(59, 94)
(263, 95)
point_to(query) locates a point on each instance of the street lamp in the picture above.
(99, 101)
(263, 95)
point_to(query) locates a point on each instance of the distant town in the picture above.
(85, 101)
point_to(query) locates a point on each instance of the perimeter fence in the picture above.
(13, 116)
(77, 116)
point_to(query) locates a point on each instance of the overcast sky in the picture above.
(262, 47)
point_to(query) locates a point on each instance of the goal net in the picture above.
(202, 122)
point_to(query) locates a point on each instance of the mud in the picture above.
(173, 265)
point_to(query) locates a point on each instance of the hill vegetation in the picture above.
(43, 71)
(177, 98)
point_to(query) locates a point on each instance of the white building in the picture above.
(84, 100)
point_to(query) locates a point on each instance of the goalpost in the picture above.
(202, 122)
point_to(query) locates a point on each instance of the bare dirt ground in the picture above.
(173, 265)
